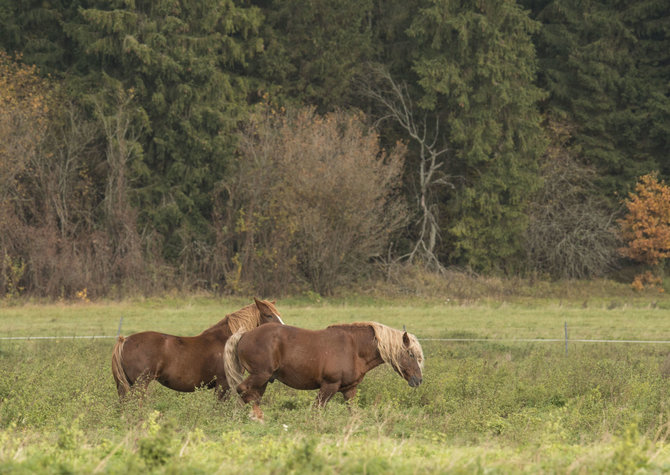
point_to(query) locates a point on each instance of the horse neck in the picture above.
(220, 329)
(367, 347)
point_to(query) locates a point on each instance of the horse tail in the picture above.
(122, 382)
(231, 362)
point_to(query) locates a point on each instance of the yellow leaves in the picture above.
(23, 116)
(83, 295)
(21, 89)
(14, 268)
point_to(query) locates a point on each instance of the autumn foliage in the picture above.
(646, 227)
(23, 122)
(67, 229)
(314, 200)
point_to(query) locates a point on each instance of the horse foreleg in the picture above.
(325, 393)
(349, 395)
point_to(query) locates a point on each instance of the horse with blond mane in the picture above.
(184, 363)
(331, 360)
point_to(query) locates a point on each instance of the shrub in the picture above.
(312, 200)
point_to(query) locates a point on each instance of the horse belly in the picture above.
(304, 367)
(184, 368)
(296, 379)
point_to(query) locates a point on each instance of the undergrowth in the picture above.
(483, 407)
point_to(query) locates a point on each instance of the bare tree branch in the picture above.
(394, 97)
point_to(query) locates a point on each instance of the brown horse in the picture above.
(331, 360)
(184, 363)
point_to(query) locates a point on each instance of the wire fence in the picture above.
(566, 340)
(481, 340)
(489, 340)
(71, 337)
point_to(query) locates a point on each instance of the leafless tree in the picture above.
(121, 133)
(571, 229)
(425, 131)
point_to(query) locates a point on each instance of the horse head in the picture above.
(268, 311)
(410, 360)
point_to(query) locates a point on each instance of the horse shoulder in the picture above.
(337, 348)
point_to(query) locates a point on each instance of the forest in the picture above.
(279, 147)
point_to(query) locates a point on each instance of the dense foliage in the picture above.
(124, 180)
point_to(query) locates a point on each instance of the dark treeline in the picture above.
(289, 145)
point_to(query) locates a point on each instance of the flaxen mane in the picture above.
(389, 343)
(246, 318)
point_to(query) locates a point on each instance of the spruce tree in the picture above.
(313, 50)
(476, 68)
(182, 61)
(34, 30)
(606, 67)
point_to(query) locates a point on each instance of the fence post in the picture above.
(566, 338)
(118, 332)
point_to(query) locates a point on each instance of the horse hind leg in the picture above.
(252, 390)
(221, 388)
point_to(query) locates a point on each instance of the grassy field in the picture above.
(498, 406)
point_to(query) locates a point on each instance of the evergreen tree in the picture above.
(181, 59)
(476, 67)
(606, 66)
(313, 49)
(33, 28)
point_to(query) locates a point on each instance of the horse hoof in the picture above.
(256, 417)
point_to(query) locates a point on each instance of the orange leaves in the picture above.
(646, 227)
(647, 280)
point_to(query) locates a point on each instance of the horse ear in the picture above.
(263, 307)
(405, 339)
(273, 302)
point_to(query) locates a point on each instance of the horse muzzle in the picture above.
(414, 381)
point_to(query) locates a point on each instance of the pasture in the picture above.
(496, 406)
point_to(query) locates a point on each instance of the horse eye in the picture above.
(411, 354)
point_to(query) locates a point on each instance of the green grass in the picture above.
(484, 407)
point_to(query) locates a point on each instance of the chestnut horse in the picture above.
(184, 363)
(331, 360)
